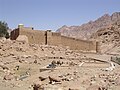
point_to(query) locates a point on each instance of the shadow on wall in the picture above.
(14, 34)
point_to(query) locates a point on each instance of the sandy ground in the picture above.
(22, 66)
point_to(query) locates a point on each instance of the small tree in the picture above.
(7, 35)
(3, 29)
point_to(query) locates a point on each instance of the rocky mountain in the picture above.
(109, 38)
(86, 30)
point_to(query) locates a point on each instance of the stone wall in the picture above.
(34, 36)
(53, 38)
(75, 44)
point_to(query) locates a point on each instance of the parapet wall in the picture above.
(52, 38)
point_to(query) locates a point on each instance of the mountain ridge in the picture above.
(85, 31)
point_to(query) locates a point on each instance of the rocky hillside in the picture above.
(109, 38)
(86, 30)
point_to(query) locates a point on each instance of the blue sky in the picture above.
(52, 14)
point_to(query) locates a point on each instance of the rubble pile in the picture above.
(26, 66)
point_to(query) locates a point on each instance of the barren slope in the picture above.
(86, 30)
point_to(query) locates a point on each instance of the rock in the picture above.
(118, 81)
(4, 67)
(37, 86)
(72, 89)
(35, 61)
(24, 76)
(52, 88)
(17, 67)
(20, 61)
(96, 87)
(8, 77)
(54, 80)
(42, 78)
(53, 52)
(26, 56)
(52, 65)
(59, 63)
(12, 54)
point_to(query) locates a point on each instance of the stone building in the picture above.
(30, 35)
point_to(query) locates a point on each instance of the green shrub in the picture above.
(3, 29)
